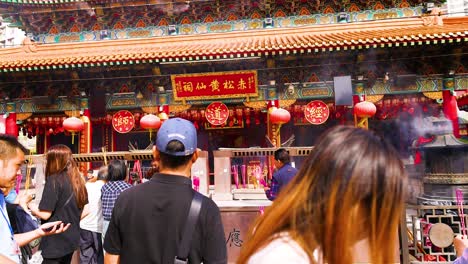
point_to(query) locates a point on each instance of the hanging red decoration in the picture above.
(316, 112)
(108, 119)
(217, 113)
(150, 122)
(247, 116)
(365, 109)
(137, 118)
(73, 125)
(279, 116)
(123, 121)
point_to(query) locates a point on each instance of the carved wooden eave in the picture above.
(234, 45)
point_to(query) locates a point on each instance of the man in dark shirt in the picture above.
(148, 220)
(283, 174)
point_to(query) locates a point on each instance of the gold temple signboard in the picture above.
(216, 85)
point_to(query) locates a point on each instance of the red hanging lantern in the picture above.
(239, 114)
(247, 116)
(365, 109)
(73, 125)
(137, 118)
(279, 116)
(150, 122)
(44, 121)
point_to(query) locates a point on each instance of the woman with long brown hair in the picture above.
(351, 188)
(63, 198)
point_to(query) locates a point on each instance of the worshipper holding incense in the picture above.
(350, 189)
(460, 243)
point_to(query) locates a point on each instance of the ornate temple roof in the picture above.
(235, 45)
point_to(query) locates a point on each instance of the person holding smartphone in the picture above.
(12, 156)
(64, 197)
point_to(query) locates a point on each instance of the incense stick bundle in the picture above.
(244, 173)
(235, 172)
(461, 214)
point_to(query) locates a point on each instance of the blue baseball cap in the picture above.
(177, 129)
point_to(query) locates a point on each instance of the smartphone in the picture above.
(49, 228)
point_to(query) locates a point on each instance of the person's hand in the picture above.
(460, 243)
(52, 228)
(24, 199)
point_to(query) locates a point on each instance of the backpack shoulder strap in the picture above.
(187, 235)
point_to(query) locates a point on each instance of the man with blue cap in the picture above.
(148, 220)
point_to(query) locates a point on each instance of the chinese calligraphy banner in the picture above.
(316, 112)
(214, 85)
(123, 121)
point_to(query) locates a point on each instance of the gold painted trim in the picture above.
(286, 103)
(23, 116)
(72, 113)
(433, 95)
(179, 108)
(374, 98)
(223, 127)
(256, 104)
(150, 109)
(446, 178)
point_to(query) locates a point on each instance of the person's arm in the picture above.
(111, 259)
(42, 214)
(461, 248)
(6, 260)
(272, 192)
(85, 211)
(57, 228)
(49, 201)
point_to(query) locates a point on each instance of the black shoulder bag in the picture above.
(187, 236)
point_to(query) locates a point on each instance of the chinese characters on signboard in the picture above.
(316, 112)
(216, 113)
(214, 85)
(123, 121)
(234, 238)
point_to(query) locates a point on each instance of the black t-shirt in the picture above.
(148, 220)
(57, 191)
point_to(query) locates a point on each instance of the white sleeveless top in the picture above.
(282, 249)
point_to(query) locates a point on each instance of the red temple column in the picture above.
(86, 138)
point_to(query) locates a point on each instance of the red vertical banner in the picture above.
(216, 85)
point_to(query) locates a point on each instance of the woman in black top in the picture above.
(63, 198)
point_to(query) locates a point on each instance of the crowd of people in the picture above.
(351, 184)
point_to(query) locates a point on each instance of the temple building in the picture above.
(247, 73)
